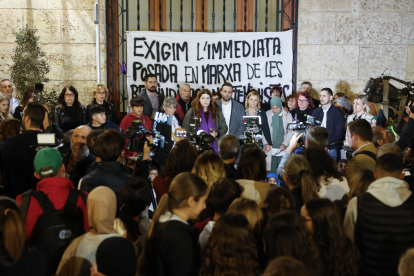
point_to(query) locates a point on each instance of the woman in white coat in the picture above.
(278, 120)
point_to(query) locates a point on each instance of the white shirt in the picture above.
(226, 109)
(325, 116)
(13, 104)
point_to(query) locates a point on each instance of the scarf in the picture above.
(275, 119)
(207, 125)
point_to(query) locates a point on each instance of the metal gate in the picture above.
(193, 15)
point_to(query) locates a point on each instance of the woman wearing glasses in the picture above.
(305, 105)
(69, 113)
(99, 95)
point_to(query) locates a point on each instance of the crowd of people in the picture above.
(102, 199)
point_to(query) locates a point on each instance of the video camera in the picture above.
(44, 140)
(376, 88)
(199, 138)
(251, 139)
(138, 136)
(302, 127)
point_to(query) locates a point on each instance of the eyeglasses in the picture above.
(171, 107)
(302, 101)
(70, 95)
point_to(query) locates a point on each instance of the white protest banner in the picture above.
(207, 60)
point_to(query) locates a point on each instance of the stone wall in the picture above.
(67, 36)
(342, 43)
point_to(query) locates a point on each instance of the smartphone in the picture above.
(37, 95)
(180, 133)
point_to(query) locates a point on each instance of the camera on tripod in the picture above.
(252, 138)
(199, 138)
(302, 127)
(138, 136)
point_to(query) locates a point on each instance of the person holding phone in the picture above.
(161, 154)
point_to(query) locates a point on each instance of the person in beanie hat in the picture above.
(115, 256)
(278, 120)
(50, 171)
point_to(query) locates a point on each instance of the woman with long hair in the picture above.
(339, 255)
(251, 172)
(5, 107)
(212, 119)
(305, 105)
(15, 258)
(287, 236)
(361, 109)
(325, 172)
(132, 199)
(297, 175)
(254, 108)
(69, 113)
(230, 249)
(171, 247)
(99, 96)
(28, 98)
(210, 167)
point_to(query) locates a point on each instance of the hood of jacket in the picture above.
(390, 191)
(101, 206)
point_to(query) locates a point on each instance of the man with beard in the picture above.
(152, 99)
(233, 111)
(184, 100)
(331, 118)
(78, 159)
(19, 152)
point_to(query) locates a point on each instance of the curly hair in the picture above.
(308, 97)
(230, 249)
(195, 104)
(322, 164)
(339, 252)
(210, 167)
(180, 159)
(98, 88)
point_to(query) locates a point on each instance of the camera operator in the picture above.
(407, 134)
(359, 136)
(330, 184)
(17, 157)
(161, 154)
(229, 148)
(316, 137)
(137, 107)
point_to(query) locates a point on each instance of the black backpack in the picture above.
(54, 229)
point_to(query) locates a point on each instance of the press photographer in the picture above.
(18, 170)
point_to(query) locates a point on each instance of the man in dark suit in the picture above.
(152, 99)
(332, 119)
(233, 111)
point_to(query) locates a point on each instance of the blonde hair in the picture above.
(298, 172)
(249, 209)
(98, 88)
(360, 182)
(364, 100)
(210, 167)
(259, 100)
(3, 97)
